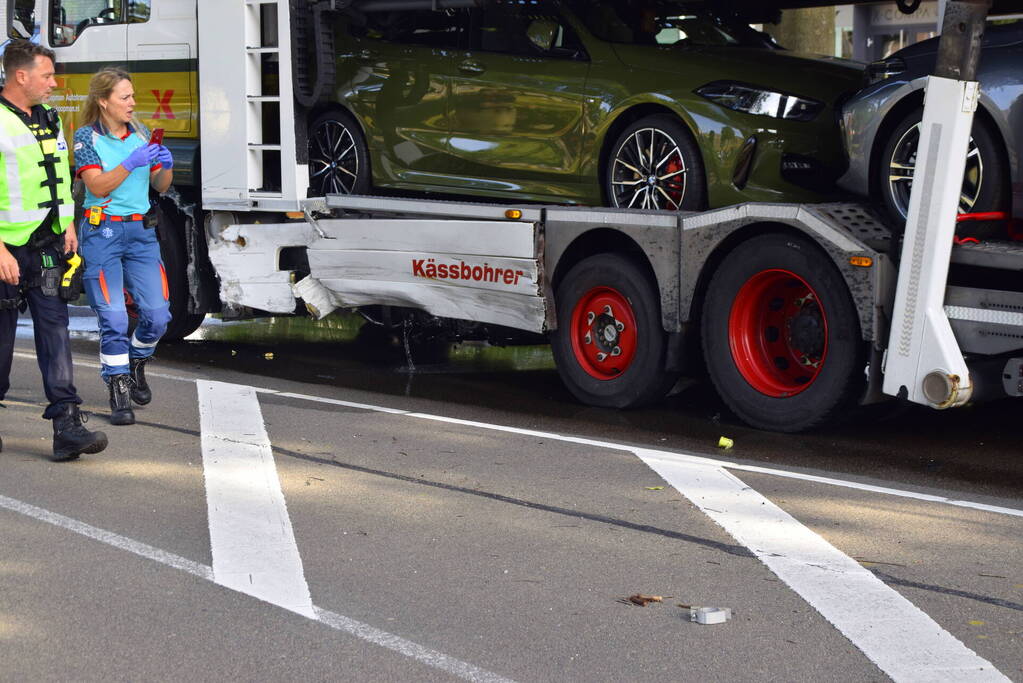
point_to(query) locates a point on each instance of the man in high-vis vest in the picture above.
(37, 234)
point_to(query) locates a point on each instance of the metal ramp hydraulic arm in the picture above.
(924, 363)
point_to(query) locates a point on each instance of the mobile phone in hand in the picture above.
(157, 137)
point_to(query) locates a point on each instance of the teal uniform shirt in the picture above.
(95, 147)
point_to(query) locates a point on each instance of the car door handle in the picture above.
(470, 66)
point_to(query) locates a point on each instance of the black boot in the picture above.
(120, 400)
(140, 392)
(70, 438)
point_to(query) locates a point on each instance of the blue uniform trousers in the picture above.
(49, 323)
(123, 255)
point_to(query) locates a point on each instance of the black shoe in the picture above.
(70, 438)
(140, 392)
(120, 400)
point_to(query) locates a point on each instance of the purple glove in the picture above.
(165, 158)
(143, 156)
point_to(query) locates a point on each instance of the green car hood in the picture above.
(822, 78)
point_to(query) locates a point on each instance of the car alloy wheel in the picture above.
(649, 171)
(334, 159)
(902, 167)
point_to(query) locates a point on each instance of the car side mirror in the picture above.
(541, 33)
(11, 23)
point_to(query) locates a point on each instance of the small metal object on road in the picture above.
(725, 442)
(708, 615)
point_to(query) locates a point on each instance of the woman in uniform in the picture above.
(119, 164)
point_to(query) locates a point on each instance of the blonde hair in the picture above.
(101, 85)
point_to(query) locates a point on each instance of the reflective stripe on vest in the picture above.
(23, 197)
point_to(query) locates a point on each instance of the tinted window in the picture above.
(523, 29)
(649, 22)
(445, 28)
(70, 17)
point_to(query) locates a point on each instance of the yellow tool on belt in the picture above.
(71, 282)
(72, 265)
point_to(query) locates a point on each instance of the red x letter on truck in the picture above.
(163, 108)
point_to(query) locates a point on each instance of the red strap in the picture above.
(118, 219)
(982, 216)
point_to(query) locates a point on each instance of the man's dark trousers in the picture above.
(53, 344)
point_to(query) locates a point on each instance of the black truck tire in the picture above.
(781, 338)
(610, 347)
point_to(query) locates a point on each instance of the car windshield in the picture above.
(646, 22)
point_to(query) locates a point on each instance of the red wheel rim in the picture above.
(603, 333)
(778, 333)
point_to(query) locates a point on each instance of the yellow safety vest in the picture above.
(30, 167)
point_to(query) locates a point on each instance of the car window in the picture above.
(523, 29)
(663, 22)
(443, 28)
(69, 18)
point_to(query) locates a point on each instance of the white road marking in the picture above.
(901, 639)
(892, 632)
(108, 537)
(251, 537)
(682, 457)
(338, 622)
(897, 636)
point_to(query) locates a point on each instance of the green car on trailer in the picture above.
(593, 102)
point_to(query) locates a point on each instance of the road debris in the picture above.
(708, 615)
(269, 355)
(654, 488)
(644, 600)
(725, 443)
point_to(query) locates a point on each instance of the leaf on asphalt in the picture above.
(644, 600)
(654, 488)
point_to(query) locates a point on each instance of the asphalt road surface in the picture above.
(321, 510)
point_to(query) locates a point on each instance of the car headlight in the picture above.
(761, 101)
